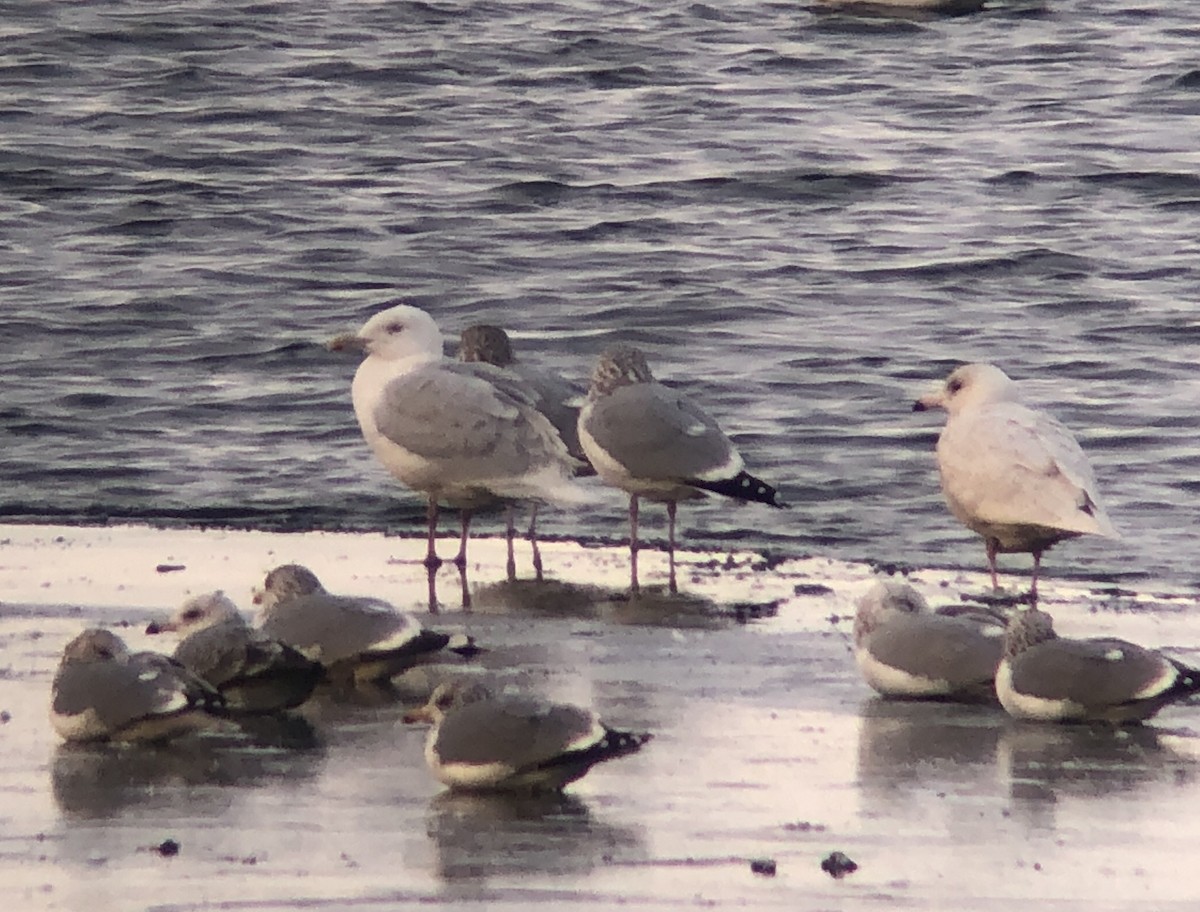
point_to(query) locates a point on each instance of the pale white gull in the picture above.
(1012, 473)
(446, 430)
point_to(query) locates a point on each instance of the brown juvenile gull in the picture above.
(460, 436)
(104, 692)
(654, 442)
(905, 650)
(255, 673)
(1011, 473)
(555, 397)
(482, 742)
(354, 637)
(1049, 678)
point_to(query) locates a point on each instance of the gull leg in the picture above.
(1037, 566)
(511, 566)
(431, 572)
(993, 547)
(671, 544)
(466, 588)
(461, 557)
(633, 544)
(431, 559)
(537, 554)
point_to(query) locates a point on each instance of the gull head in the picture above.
(95, 645)
(488, 344)
(394, 334)
(1027, 628)
(287, 581)
(197, 613)
(970, 386)
(447, 696)
(621, 365)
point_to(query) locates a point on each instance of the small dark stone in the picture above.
(170, 568)
(811, 589)
(168, 848)
(837, 865)
(763, 866)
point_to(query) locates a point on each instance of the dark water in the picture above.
(803, 217)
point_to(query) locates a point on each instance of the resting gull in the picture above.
(1011, 473)
(461, 436)
(354, 637)
(654, 442)
(482, 742)
(254, 672)
(1049, 678)
(556, 398)
(104, 692)
(905, 650)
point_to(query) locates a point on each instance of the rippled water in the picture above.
(804, 217)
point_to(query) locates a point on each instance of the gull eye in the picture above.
(954, 386)
(192, 614)
(394, 329)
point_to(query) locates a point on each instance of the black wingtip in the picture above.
(742, 486)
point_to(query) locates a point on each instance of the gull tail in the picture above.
(742, 486)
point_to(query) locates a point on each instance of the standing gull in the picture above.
(905, 650)
(481, 742)
(253, 672)
(356, 638)
(556, 398)
(1011, 473)
(444, 429)
(1049, 678)
(653, 442)
(104, 692)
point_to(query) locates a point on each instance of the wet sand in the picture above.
(767, 746)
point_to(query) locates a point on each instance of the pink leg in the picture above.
(633, 544)
(461, 557)
(431, 571)
(511, 566)
(537, 554)
(993, 547)
(466, 588)
(1037, 566)
(431, 559)
(671, 544)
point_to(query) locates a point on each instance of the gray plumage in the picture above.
(1046, 677)
(484, 742)
(102, 691)
(352, 636)
(253, 671)
(903, 649)
(554, 396)
(653, 442)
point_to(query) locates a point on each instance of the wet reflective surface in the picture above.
(767, 746)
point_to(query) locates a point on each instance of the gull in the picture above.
(905, 650)
(1011, 473)
(104, 692)
(255, 673)
(460, 436)
(483, 742)
(556, 398)
(1049, 678)
(654, 442)
(356, 638)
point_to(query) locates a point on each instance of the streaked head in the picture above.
(197, 613)
(971, 386)
(394, 334)
(489, 344)
(621, 365)
(448, 696)
(287, 581)
(95, 645)
(1025, 629)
